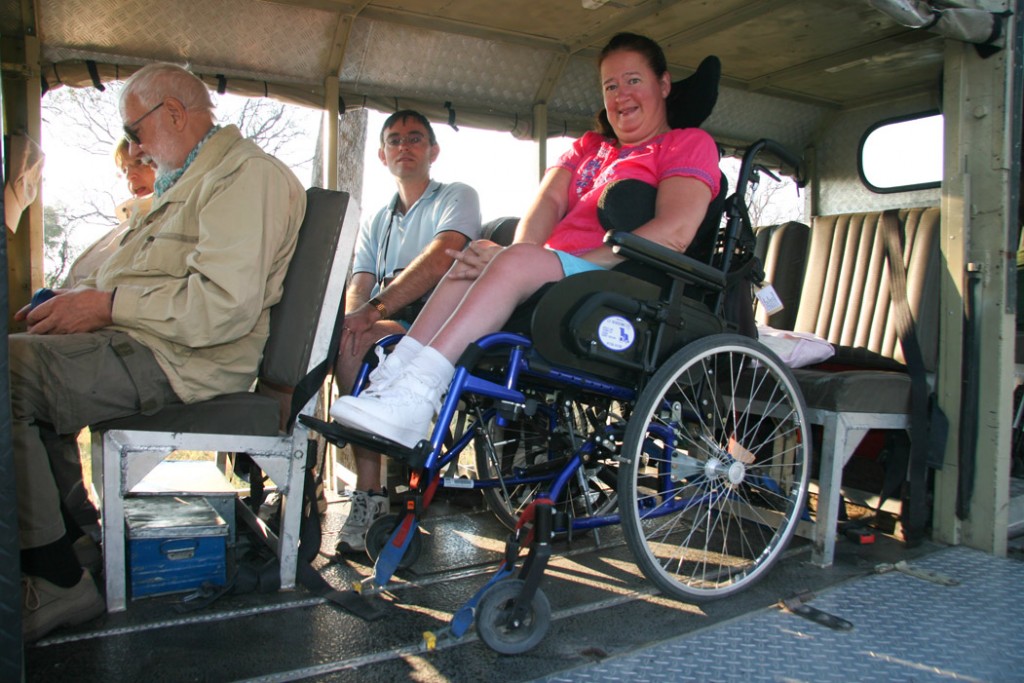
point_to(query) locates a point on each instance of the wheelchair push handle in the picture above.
(777, 150)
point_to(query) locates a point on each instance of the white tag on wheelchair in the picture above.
(769, 298)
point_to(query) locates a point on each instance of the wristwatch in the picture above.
(381, 308)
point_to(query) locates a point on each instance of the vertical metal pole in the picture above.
(330, 133)
(11, 649)
(540, 134)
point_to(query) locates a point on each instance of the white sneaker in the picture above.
(366, 509)
(387, 370)
(401, 412)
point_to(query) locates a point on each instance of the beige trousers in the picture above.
(60, 384)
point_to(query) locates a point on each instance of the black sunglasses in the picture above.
(129, 128)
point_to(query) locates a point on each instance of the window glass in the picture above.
(902, 154)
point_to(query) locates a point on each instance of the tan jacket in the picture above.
(197, 275)
(100, 250)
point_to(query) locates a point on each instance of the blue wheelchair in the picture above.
(618, 397)
(637, 396)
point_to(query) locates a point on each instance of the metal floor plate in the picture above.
(905, 629)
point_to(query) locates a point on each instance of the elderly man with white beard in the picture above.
(179, 313)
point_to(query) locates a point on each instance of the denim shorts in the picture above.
(574, 264)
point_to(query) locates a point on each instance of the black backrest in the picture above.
(500, 230)
(293, 319)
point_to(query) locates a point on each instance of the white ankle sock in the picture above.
(430, 367)
(404, 351)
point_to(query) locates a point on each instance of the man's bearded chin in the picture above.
(161, 167)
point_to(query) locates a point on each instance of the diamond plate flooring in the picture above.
(906, 629)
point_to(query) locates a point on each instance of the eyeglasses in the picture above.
(130, 131)
(396, 141)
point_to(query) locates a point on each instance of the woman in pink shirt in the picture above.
(559, 235)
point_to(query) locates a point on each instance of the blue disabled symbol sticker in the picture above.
(616, 333)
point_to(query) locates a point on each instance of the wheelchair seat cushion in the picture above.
(605, 323)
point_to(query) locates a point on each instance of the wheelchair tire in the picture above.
(541, 445)
(492, 619)
(715, 460)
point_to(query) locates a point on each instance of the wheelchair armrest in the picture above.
(672, 262)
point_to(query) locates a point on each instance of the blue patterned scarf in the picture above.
(165, 180)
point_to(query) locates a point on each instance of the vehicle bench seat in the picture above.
(845, 298)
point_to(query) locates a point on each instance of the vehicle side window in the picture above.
(902, 154)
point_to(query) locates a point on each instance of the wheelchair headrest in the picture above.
(690, 101)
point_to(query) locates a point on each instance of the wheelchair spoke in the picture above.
(714, 468)
(520, 460)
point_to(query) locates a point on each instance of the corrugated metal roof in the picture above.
(494, 60)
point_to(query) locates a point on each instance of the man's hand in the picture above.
(80, 310)
(356, 326)
(472, 260)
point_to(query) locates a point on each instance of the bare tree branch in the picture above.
(89, 120)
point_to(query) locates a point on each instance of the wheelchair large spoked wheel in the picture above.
(713, 478)
(524, 456)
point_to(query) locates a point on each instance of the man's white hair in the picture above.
(154, 82)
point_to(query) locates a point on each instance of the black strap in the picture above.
(309, 546)
(314, 379)
(917, 517)
(94, 75)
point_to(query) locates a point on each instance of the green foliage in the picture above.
(57, 248)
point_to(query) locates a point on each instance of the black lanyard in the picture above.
(382, 255)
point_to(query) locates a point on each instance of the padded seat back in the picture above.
(845, 295)
(782, 250)
(500, 230)
(296, 321)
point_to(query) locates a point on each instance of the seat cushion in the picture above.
(856, 391)
(245, 414)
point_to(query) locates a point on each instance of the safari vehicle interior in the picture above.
(812, 75)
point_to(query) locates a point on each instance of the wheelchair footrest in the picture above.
(341, 435)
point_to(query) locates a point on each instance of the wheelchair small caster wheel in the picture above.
(378, 535)
(494, 612)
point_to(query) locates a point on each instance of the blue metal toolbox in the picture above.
(174, 544)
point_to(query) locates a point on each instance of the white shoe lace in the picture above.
(381, 375)
(28, 588)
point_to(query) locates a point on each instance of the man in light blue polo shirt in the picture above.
(400, 257)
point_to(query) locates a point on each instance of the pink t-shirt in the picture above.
(595, 160)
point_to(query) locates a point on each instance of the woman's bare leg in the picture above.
(508, 280)
(439, 307)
